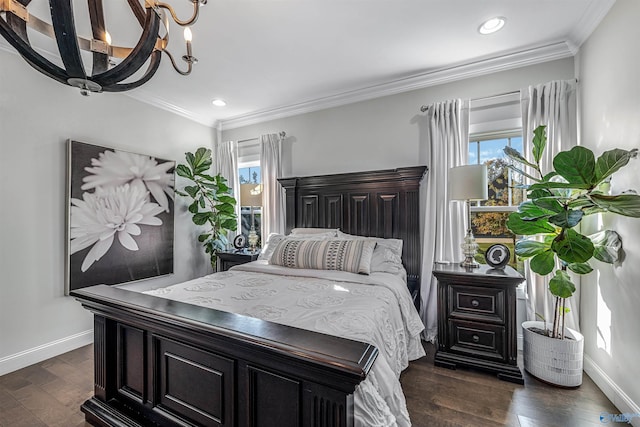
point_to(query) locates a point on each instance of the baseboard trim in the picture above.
(610, 389)
(46, 351)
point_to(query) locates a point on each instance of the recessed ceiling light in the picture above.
(492, 25)
(218, 102)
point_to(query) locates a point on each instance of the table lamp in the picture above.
(468, 183)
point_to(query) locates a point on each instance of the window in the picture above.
(250, 198)
(489, 217)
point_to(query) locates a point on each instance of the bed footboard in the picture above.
(163, 362)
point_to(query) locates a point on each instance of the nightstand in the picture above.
(477, 319)
(226, 260)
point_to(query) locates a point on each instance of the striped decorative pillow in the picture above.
(343, 255)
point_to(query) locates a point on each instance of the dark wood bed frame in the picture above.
(163, 362)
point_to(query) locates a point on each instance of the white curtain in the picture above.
(273, 208)
(225, 163)
(552, 104)
(444, 222)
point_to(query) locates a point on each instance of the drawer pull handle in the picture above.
(475, 302)
(475, 338)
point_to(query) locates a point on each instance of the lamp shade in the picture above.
(468, 182)
(251, 194)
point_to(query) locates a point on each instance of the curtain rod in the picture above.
(281, 134)
(424, 108)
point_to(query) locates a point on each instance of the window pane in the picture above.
(244, 175)
(492, 149)
(473, 153)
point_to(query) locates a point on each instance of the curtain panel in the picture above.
(444, 223)
(552, 104)
(273, 198)
(225, 163)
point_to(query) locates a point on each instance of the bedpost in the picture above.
(290, 186)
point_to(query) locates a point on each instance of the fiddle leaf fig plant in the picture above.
(212, 201)
(556, 204)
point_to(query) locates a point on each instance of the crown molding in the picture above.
(493, 65)
(595, 13)
(156, 101)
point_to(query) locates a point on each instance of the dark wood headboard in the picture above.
(382, 203)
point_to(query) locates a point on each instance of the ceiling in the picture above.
(274, 58)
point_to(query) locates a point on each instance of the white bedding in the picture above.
(375, 309)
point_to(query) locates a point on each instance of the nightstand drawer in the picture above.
(477, 340)
(476, 303)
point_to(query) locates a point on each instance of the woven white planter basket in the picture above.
(552, 360)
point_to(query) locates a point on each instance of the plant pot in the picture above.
(552, 360)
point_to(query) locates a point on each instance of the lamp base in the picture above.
(469, 249)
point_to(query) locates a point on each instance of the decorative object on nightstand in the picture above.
(229, 259)
(251, 195)
(497, 256)
(477, 319)
(468, 183)
(240, 241)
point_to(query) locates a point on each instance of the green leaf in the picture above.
(548, 176)
(230, 224)
(573, 247)
(577, 166)
(193, 207)
(580, 268)
(529, 211)
(203, 237)
(539, 142)
(611, 161)
(623, 204)
(517, 225)
(227, 199)
(566, 219)
(202, 202)
(515, 155)
(607, 246)
(550, 204)
(540, 193)
(527, 248)
(521, 172)
(226, 208)
(201, 218)
(191, 190)
(184, 171)
(543, 263)
(191, 160)
(561, 285)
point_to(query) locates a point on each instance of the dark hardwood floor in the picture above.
(50, 393)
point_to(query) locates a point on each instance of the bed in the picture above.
(167, 361)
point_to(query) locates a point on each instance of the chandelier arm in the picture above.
(98, 28)
(151, 70)
(193, 19)
(175, 66)
(138, 56)
(138, 11)
(66, 37)
(32, 57)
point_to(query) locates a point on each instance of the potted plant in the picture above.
(212, 203)
(557, 201)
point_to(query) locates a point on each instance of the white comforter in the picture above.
(375, 309)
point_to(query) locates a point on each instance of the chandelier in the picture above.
(105, 75)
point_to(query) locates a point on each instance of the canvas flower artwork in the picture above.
(120, 216)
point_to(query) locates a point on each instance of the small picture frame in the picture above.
(497, 256)
(240, 241)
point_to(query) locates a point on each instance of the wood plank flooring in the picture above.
(50, 394)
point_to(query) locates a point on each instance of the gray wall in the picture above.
(37, 116)
(608, 67)
(385, 132)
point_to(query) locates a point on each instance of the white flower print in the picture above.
(116, 168)
(99, 216)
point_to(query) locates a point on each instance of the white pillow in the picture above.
(309, 231)
(387, 255)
